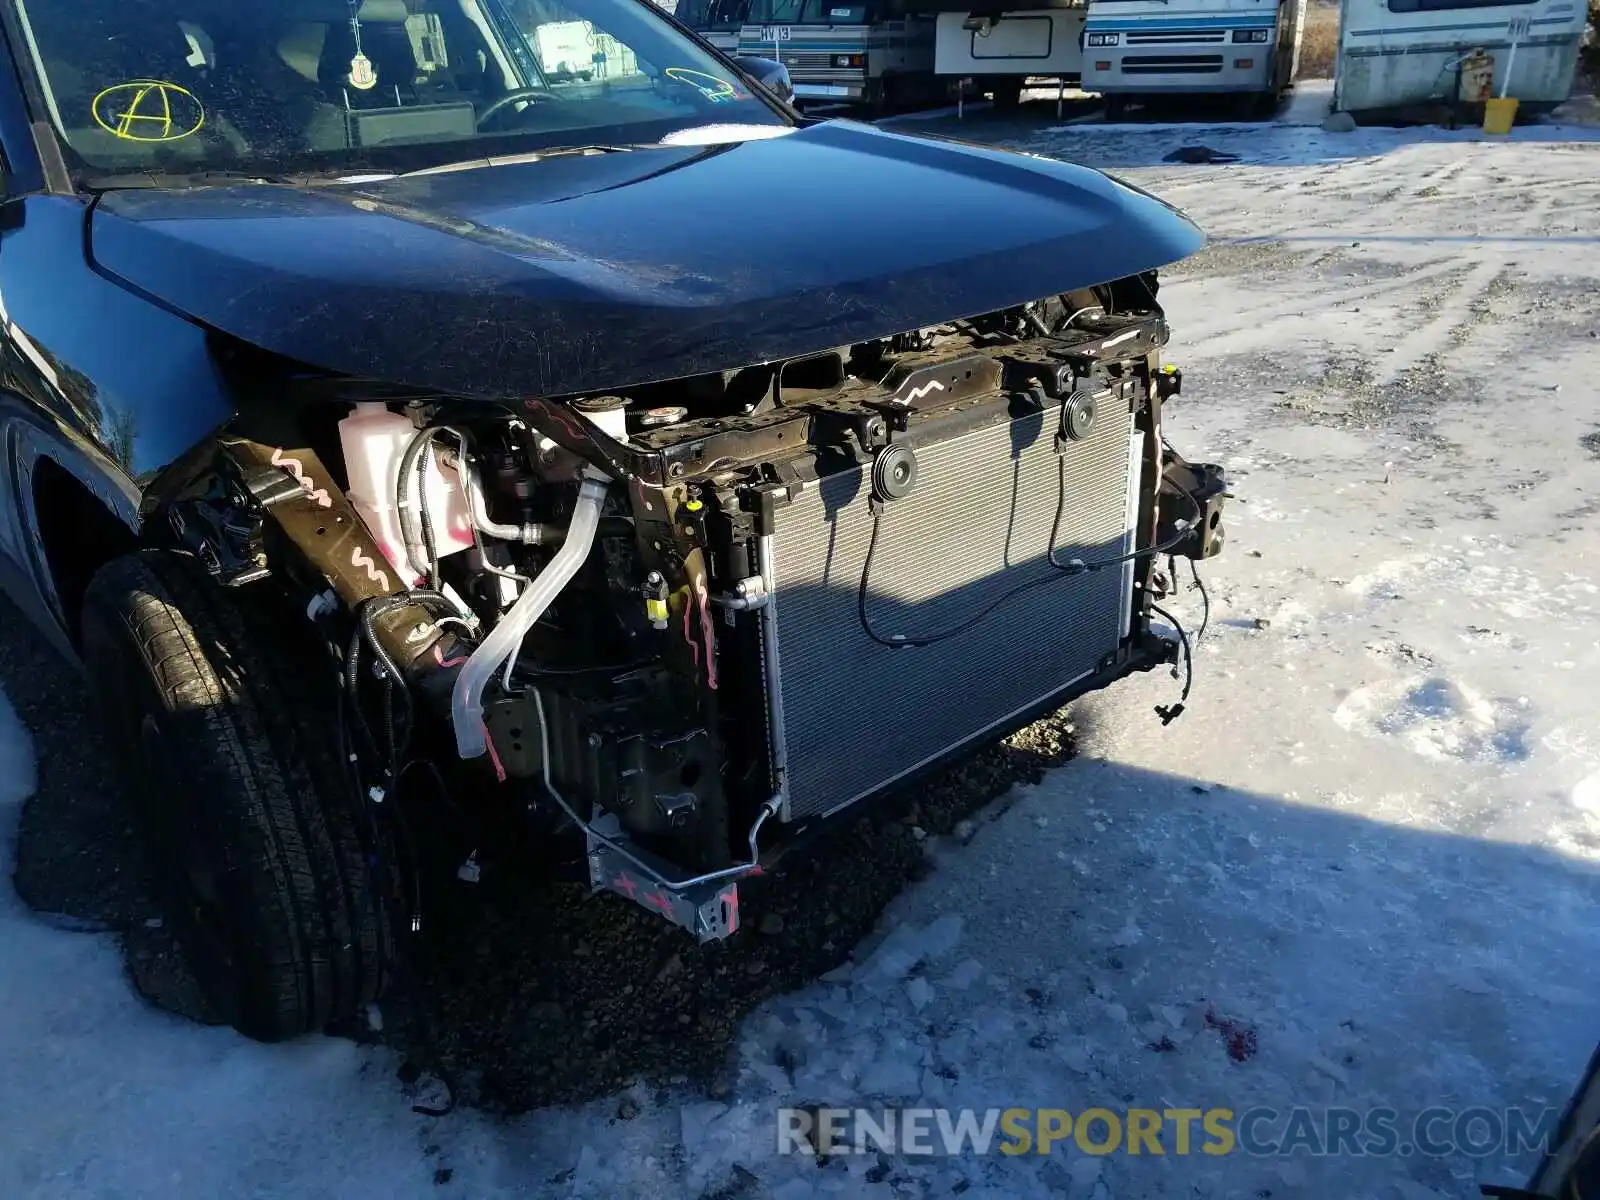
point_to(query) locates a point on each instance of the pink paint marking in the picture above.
(494, 755)
(438, 657)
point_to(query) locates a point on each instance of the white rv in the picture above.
(998, 48)
(1144, 49)
(1398, 54)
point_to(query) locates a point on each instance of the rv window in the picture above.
(1410, 6)
(811, 12)
(713, 14)
(776, 11)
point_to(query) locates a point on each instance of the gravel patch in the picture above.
(539, 992)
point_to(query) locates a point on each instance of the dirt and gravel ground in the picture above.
(542, 993)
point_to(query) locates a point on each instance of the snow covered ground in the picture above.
(1360, 871)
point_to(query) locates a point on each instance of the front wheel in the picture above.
(224, 718)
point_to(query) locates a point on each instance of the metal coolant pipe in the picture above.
(466, 698)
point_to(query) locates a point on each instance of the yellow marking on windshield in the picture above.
(719, 89)
(148, 110)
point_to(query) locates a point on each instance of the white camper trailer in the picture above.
(1400, 54)
(998, 47)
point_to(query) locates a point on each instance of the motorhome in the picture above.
(1399, 54)
(871, 52)
(717, 21)
(1140, 50)
(997, 50)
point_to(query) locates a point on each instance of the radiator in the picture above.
(851, 716)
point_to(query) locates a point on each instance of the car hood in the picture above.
(591, 273)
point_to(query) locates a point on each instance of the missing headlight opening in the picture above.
(662, 623)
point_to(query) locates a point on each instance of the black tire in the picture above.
(881, 97)
(1007, 94)
(224, 711)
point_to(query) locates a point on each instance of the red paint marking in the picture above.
(438, 657)
(624, 883)
(733, 909)
(1239, 1038)
(661, 902)
(494, 756)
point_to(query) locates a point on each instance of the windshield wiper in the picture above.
(179, 179)
(506, 160)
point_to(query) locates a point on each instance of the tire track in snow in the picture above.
(1458, 309)
(1245, 326)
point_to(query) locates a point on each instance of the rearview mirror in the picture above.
(770, 74)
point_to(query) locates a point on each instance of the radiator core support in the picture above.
(848, 715)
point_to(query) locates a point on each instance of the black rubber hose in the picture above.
(408, 524)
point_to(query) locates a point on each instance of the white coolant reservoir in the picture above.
(374, 441)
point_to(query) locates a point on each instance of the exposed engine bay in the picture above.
(687, 624)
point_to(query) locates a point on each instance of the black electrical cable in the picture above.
(394, 681)
(902, 641)
(1077, 566)
(410, 462)
(424, 516)
(1205, 600)
(1170, 713)
(405, 843)
(1070, 568)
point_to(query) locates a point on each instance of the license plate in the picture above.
(775, 33)
(1519, 28)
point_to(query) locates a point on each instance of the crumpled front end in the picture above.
(682, 625)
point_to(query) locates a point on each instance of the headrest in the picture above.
(383, 12)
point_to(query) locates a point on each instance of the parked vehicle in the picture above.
(999, 47)
(1144, 49)
(871, 52)
(404, 438)
(718, 21)
(1401, 54)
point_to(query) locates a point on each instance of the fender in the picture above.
(126, 379)
(27, 446)
(110, 388)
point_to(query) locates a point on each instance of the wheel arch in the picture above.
(76, 519)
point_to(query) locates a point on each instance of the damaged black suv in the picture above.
(512, 411)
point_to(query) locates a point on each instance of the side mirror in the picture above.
(770, 74)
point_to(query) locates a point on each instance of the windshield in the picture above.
(713, 14)
(345, 86)
(812, 12)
